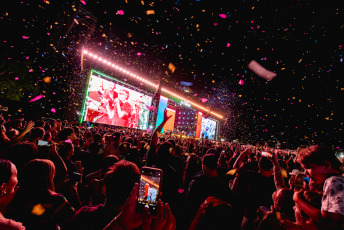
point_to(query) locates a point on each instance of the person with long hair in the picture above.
(8, 188)
(36, 204)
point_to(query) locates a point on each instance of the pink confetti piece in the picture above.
(53, 110)
(24, 37)
(195, 95)
(223, 16)
(241, 82)
(36, 98)
(120, 12)
(148, 130)
(54, 93)
(216, 24)
(16, 78)
(139, 54)
(228, 44)
(27, 57)
(68, 141)
(151, 108)
(83, 2)
(204, 100)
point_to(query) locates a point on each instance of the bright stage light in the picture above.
(147, 82)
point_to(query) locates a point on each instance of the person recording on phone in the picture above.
(118, 184)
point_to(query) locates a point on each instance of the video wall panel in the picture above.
(108, 102)
(208, 128)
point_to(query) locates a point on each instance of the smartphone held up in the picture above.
(149, 189)
(43, 143)
(266, 154)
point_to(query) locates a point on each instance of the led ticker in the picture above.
(141, 79)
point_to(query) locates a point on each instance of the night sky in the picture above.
(209, 42)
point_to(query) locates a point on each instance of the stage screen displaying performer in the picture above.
(208, 128)
(114, 104)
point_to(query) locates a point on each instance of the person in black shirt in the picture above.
(252, 188)
(204, 184)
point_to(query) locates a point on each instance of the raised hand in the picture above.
(163, 221)
(165, 115)
(29, 126)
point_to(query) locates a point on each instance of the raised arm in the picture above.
(159, 128)
(27, 129)
(278, 178)
(238, 161)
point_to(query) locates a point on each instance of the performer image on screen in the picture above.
(108, 96)
(122, 110)
(114, 106)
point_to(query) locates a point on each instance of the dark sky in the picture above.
(210, 43)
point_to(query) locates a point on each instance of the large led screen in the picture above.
(208, 128)
(114, 104)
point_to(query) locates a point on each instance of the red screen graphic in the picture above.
(113, 104)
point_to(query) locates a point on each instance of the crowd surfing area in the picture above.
(65, 175)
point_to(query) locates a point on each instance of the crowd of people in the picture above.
(66, 175)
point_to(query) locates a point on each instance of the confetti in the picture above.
(53, 110)
(36, 98)
(261, 71)
(151, 108)
(38, 210)
(149, 12)
(120, 12)
(186, 83)
(47, 80)
(171, 67)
